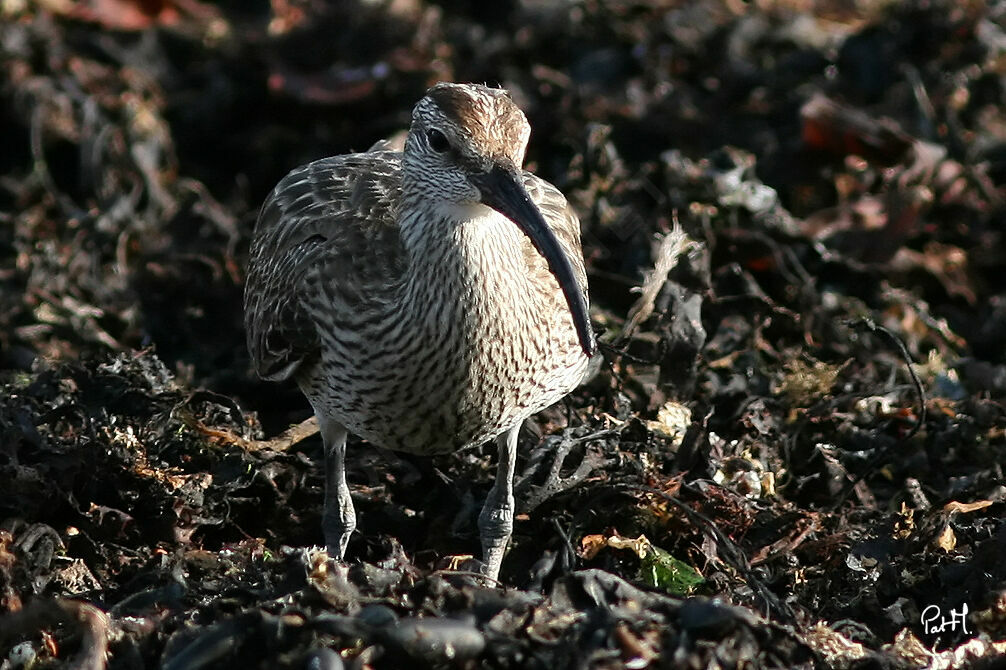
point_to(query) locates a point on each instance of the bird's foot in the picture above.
(338, 522)
(337, 534)
(495, 528)
(552, 454)
(493, 556)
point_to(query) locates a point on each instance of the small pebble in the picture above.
(21, 655)
(706, 619)
(377, 616)
(436, 640)
(323, 659)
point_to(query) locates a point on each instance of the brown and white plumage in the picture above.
(409, 309)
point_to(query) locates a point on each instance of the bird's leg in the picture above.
(496, 519)
(338, 520)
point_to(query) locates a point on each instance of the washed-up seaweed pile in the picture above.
(791, 455)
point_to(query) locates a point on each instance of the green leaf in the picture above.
(661, 570)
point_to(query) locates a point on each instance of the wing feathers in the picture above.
(321, 215)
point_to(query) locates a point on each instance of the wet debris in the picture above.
(791, 454)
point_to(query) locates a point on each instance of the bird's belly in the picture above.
(440, 399)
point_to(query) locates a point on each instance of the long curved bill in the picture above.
(503, 190)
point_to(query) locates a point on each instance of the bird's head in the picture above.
(460, 131)
(465, 148)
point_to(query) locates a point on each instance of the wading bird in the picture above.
(425, 300)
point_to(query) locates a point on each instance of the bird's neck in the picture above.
(467, 259)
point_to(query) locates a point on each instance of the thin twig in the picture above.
(870, 325)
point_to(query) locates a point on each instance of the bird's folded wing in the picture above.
(329, 221)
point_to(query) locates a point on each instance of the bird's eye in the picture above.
(438, 141)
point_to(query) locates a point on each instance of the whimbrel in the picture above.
(425, 300)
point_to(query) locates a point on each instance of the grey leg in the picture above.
(338, 521)
(496, 519)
